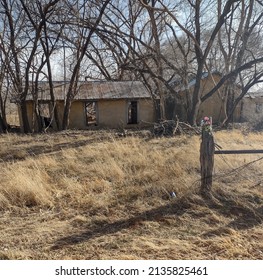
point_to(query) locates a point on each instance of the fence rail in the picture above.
(233, 152)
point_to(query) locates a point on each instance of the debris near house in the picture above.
(14, 128)
(143, 133)
(258, 126)
(173, 127)
(122, 133)
(244, 127)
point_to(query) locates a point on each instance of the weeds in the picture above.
(84, 195)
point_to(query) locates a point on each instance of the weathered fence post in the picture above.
(207, 150)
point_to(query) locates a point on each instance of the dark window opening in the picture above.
(91, 113)
(132, 112)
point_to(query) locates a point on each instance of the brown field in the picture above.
(94, 195)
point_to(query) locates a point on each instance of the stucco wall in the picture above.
(252, 109)
(110, 113)
(212, 106)
(215, 105)
(114, 113)
(146, 112)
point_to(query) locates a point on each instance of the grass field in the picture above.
(94, 195)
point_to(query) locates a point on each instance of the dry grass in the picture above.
(92, 195)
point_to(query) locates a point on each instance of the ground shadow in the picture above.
(109, 228)
(248, 220)
(20, 154)
(244, 216)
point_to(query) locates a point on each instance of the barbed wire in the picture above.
(236, 169)
(233, 171)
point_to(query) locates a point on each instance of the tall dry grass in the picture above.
(115, 170)
(119, 191)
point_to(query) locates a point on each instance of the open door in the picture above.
(132, 112)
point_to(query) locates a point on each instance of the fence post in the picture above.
(207, 150)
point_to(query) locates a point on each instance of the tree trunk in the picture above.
(196, 98)
(66, 113)
(3, 109)
(81, 50)
(158, 60)
(230, 100)
(54, 112)
(2, 125)
(25, 123)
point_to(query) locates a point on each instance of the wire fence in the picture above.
(238, 172)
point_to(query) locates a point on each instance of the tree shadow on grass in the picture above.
(156, 214)
(245, 216)
(20, 154)
(34, 150)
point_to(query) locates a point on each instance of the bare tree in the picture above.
(4, 92)
(131, 34)
(49, 41)
(194, 26)
(87, 16)
(24, 26)
(159, 42)
(13, 20)
(240, 42)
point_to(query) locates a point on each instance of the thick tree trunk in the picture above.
(230, 101)
(3, 112)
(54, 112)
(25, 123)
(3, 127)
(196, 98)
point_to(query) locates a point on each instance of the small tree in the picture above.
(86, 26)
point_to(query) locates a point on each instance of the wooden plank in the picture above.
(233, 152)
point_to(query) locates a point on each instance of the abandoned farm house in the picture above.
(214, 106)
(108, 104)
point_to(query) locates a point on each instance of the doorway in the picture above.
(132, 112)
(91, 113)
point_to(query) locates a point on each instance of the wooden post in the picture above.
(207, 150)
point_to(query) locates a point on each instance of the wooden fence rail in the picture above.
(233, 152)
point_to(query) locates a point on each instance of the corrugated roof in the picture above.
(96, 90)
(178, 83)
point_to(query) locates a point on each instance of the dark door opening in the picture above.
(132, 112)
(91, 113)
(45, 115)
